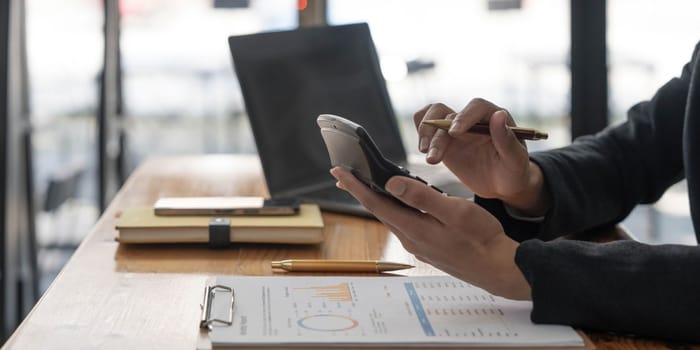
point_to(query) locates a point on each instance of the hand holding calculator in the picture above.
(350, 146)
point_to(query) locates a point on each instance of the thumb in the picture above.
(509, 148)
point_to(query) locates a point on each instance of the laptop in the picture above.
(287, 79)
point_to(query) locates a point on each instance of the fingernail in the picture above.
(455, 126)
(424, 142)
(433, 152)
(396, 187)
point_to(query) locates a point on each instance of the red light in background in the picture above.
(301, 4)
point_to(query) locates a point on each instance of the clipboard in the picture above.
(207, 320)
(362, 311)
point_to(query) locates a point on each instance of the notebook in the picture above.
(288, 78)
(141, 225)
(417, 311)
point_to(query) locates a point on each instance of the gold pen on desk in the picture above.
(483, 128)
(315, 265)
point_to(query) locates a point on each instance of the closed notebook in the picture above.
(141, 225)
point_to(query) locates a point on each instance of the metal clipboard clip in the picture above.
(206, 320)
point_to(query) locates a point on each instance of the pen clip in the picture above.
(206, 321)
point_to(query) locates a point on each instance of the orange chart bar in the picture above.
(340, 292)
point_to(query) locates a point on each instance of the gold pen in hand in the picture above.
(483, 128)
(314, 265)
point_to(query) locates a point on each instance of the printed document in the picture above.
(383, 311)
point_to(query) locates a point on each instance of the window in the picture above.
(180, 91)
(451, 51)
(648, 44)
(64, 54)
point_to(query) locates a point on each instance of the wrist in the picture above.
(534, 199)
(509, 282)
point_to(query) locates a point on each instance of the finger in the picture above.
(426, 132)
(408, 222)
(477, 110)
(406, 240)
(380, 205)
(439, 144)
(418, 116)
(508, 146)
(421, 196)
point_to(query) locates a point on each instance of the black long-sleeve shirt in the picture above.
(628, 287)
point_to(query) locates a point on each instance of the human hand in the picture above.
(452, 234)
(493, 166)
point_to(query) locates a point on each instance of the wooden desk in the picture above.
(112, 296)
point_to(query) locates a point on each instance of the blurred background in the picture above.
(176, 92)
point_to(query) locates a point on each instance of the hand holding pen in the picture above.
(492, 167)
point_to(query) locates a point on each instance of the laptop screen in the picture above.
(289, 78)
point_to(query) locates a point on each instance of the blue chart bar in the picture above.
(418, 308)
